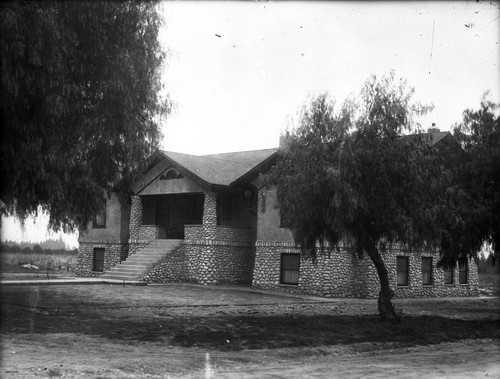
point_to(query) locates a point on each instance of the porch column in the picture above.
(210, 215)
(135, 217)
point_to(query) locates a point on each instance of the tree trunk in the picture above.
(385, 308)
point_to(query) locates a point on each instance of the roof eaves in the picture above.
(255, 169)
(191, 175)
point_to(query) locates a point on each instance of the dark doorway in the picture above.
(162, 215)
(172, 212)
(98, 259)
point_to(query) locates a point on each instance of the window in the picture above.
(448, 275)
(98, 259)
(100, 218)
(426, 271)
(263, 202)
(284, 222)
(402, 269)
(463, 271)
(171, 175)
(290, 268)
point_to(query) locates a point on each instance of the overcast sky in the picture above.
(239, 71)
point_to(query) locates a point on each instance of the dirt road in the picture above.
(98, 331)
(76, 356)
(472, 359)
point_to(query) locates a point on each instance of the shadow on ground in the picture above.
(227, 331)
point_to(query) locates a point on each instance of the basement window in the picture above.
(463, 273)
(290, 264)
(448, 275)
(426, 271)
(403, 266)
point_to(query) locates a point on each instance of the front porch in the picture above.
(218, 248)
(222, 216)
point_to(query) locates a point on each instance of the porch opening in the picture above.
(172, 212)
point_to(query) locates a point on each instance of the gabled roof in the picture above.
(229, 168)
(219, 169)
(431, 137)
(435, 137)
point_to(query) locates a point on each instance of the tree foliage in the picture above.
(475, 194)
(351, 176)
(79, 101)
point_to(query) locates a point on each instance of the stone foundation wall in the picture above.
(221, 233)
(173, 269)
(193, 232)
(218, 262)
(206, 262)
(113, 254)
(415, 287)
(340, 273)
(230, 233)
(148, 232)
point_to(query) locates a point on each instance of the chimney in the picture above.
(433, 129)
(284, 138)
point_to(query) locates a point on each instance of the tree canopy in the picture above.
(475, 194)
(80, 103)
(352, 176)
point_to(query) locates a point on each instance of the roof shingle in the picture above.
(220, 169)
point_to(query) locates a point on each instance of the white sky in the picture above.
(240, 90)
(35, 230)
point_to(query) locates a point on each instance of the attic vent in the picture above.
(171, 174)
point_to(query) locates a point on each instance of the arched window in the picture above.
(171, 174)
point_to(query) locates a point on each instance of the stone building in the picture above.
(212, 220)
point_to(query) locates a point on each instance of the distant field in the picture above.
(490, 282)
(51, 261)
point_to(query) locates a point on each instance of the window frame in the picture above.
(284, 271)
(171, 174)
(95, 267)
(284, 223)
(428, 270)
(406, 271)
(98, 224)
(463, 272)
(449, 273)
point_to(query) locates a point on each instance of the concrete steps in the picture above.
(139, 264)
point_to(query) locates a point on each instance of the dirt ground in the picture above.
(114, 331)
